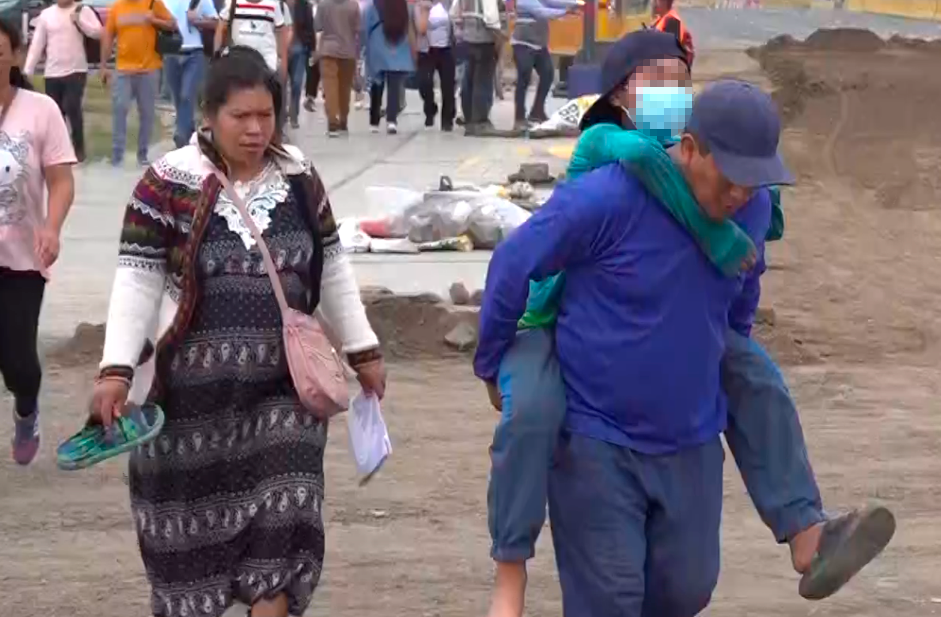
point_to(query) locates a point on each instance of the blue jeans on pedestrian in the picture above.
(635, 535)
(139, 87)
(298, 59)
(764, 435)
(184, 72)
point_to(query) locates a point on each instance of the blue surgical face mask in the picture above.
(662, 111)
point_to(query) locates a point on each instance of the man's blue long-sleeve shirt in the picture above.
(643, 317)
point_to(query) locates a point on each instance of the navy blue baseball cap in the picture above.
(740, 125)
(632, 51)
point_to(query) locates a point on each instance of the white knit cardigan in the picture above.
(144, 298)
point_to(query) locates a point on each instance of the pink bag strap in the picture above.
(259, 240)
(266, 256)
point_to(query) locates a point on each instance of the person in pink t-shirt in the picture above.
(60, 37)
(35, 154)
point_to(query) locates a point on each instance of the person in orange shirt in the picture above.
(137, 63)
(668, 20)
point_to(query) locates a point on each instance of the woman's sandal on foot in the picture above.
(847, 544)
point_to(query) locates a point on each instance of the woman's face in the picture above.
(666, 72)
(244, 125)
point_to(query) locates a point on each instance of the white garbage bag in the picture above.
(433, 216)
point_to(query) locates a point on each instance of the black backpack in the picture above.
(92, 46)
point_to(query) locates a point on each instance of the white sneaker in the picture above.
(373, 129)
(392, 129)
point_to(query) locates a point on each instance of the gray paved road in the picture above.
(742, 28)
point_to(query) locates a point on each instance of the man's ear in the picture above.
(688, 146)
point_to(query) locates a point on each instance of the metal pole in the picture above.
(589, 17)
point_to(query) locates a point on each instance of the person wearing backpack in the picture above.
(184, 70)
(134, 24)
(60, 37)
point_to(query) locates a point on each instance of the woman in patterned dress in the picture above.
(227, 500)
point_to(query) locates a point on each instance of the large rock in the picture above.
(459, 294)
(462, 337)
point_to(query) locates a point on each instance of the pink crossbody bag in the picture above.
(318, 373)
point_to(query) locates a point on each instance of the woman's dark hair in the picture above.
(394, 17)
(239, 68)
(17, 79)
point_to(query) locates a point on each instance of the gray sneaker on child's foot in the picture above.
(25, 437)
(848, 543)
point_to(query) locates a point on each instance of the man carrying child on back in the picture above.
(662, 258)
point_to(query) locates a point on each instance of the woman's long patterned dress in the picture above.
(227, 500)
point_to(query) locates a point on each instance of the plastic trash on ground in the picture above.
(352, 237)
(568, 116)
(460, 243)
(434, 216)
(369, 437)
(392, 245)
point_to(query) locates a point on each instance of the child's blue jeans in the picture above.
(764, 435)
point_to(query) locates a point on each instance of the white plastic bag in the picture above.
(352, 238)
(391, 204)
(369, 438)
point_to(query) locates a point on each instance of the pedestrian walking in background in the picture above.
(134, 23)
(312, 81)
(361, 80)
(339, 25)
(436, 54)
(245, 473)
(259, 24)
(483, 26)
(185, 70)
(37, 158)
(60, 38)
(303, 43)
(530, 41)
(668, 20)
(390, 42)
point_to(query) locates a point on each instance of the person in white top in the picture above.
(259, 24)
(60, 35)
(436, 53)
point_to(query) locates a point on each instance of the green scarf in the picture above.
(724, 243)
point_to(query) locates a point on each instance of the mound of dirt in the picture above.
(408, 326)
(844, 39)
(84, 348)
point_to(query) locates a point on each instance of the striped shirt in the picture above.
(255, 24)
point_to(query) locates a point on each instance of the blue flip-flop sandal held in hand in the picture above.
(95, 443)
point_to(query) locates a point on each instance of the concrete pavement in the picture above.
(414, 158)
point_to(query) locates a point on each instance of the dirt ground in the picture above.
(854, 297)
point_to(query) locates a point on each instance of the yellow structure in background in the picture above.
(614, 19)
(916, 9)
